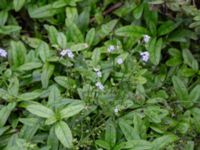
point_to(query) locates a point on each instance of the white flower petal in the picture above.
(120, 61)
(99, 74)
(111, 48)
(146, 38)
(144, 56)
(3, 52)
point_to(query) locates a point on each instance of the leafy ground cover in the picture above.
(91, 74)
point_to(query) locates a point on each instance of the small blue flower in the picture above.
(67, 52)
(146, 38)
(99, 85)
(3, 53)
(144, 56)
(120, 61)
(111, 48)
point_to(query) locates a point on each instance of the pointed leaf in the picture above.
(71, 110)
(64, 134)
(163, 141)
(131, 30)
(5, 112)
(40, 110)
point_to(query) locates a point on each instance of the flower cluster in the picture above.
(67, 52)
(3, 53)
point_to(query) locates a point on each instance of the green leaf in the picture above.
(52, 33)
(28, 131)
(163, 141)
(90, 36)
(187, 72)
(64, 81)
(54, 95)
(138, 145)
(3, 130)
(155, 47)
(18, 4)
(104, 31)
(155, 113)
(71, 110)
(180, 88)
(13, 87)
(16, 54)
(103, 144)
(51, 120)
(5, 113)
(131, 31)
(128, 130)
(3, 17)
(83, 19)
(79, 47)
(167, 27)
(6, 30)
(43, 50)
(71, 13)
(5, 95)
(42, 12)
(64, 134)
(195, 93)
(29, 66)
(52, 140)
(74, 33)
(61, 40)
(32, 42)
(190, 60)
(195, 112)
(151, 19)
(40, 110)
(47, 72)
(111, 135)
(137, 12)
(139, 126)
(29, 95)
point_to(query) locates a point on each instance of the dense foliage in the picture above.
(99, 74)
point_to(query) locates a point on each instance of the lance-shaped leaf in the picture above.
(71, 110)
(40, 110)
(5, 112)
(64, 134)
(180, 88)
(29, 95)
(131, 31)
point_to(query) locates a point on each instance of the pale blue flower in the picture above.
(3, 52)
(144, 56)
(111, 48)
(120, 61)
(99, 85)
(67, 52)
(146, 38)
